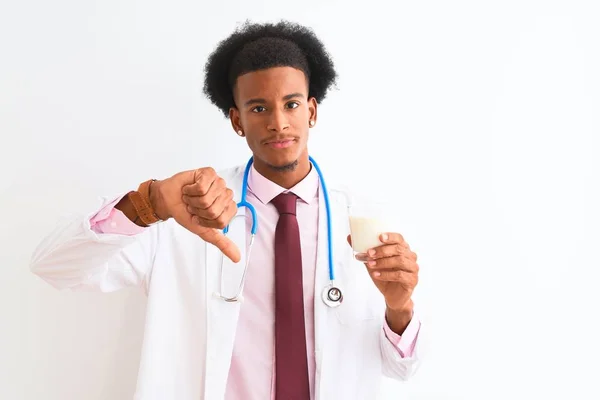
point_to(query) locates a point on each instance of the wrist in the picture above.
(398, 318)
(404, 308)
(126, 207)
(156, 200)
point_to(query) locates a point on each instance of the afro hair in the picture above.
(254, 47)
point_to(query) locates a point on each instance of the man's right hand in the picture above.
(200, 201)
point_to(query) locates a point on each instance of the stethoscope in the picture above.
(331, 294)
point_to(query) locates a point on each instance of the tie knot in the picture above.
(285, 203)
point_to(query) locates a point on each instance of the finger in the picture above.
(391, 237)
(349, 239)
(203, 202)
(386, 250)
(381, 254)
(216, 208)
(203, 180)
(396, 262)
(406, 278)
(221, 221)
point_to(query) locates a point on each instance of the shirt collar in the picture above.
(266, 190)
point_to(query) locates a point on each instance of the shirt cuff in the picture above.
(112, 221)
(405, 343)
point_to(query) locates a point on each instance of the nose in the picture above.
(278, 122)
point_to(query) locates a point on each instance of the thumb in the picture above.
(215, 237)
(222, 242)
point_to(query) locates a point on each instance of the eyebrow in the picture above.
(285, 98)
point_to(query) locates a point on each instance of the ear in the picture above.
(234, 117)
(312, 109)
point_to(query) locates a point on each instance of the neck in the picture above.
(285, 177)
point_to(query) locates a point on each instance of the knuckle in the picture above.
(224, 220)
(203, 203)
(220, 223)
(212, 213)
(220, 194)
(412, 283)
(202, 188)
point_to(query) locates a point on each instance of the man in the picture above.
(282, 341)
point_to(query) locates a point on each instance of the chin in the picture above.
(282, 163)
(290, 165)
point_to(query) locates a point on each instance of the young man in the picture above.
(282, 341)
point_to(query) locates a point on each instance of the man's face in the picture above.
(273, 111)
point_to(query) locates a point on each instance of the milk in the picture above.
(365, 232)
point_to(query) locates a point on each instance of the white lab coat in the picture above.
(189, 333)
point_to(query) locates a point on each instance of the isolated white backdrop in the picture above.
(479, 118)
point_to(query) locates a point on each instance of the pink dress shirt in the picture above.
(252, 372)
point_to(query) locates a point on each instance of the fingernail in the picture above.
(371, 252)
(371, 263)
(384, 237)
(376, 273)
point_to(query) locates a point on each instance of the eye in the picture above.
(258, 109)
(292, 104)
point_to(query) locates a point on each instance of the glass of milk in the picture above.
(368, 220)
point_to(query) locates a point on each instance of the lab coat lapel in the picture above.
(222, 316)
(327, 326)
(321, 279)
(322, 313)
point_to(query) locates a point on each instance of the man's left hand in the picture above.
(394, 270)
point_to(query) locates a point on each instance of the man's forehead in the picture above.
(272, 82)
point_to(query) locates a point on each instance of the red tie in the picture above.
(291, 365)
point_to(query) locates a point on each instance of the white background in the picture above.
(480, 118)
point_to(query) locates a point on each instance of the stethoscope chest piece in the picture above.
(332, 296)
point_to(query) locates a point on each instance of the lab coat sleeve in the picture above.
(73, 256)
(397, 365)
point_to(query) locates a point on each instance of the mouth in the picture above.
(280, 143)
